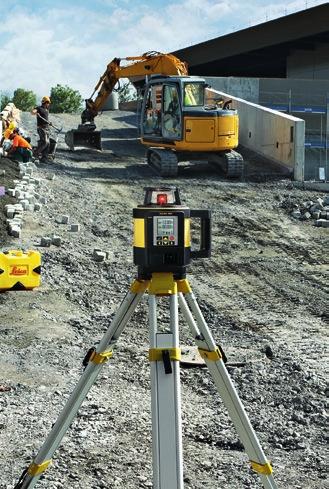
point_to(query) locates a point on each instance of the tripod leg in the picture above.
(94, 362)
(166, 404)
(213, 358)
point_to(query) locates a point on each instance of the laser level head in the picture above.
(162, 196)
(162, 236)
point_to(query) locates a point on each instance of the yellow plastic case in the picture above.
(20, 270)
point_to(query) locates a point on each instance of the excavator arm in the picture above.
(150, 63)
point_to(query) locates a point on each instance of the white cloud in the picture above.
(72, 46)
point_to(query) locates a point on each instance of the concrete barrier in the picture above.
(269, 133)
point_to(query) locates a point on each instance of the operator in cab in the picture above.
(42, 113)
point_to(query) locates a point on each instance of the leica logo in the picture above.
(19, 270)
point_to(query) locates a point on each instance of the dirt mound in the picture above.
(6, 180)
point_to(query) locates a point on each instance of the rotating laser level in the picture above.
(162, 250)
(162, 235)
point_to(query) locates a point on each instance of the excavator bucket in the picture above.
(79, 139)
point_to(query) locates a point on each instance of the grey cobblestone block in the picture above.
(74, 228)
(316, 215)
(306, 215)
(15, 231)
(62, 219)
(99, 256)
(296, 214)
(45, 241)
(56, 240)
(25, 204)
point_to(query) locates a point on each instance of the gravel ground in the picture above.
(264, 294)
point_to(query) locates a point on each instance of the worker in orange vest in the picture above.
(20, 149)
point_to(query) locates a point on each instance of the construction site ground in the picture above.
(263, 292)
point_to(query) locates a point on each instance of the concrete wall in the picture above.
(246, 88)
(271, 134)
(271, 90)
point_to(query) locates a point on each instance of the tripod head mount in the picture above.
(162, 233)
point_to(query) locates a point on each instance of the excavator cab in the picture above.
(177, 125)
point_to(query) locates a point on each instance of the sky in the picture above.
(70, 42)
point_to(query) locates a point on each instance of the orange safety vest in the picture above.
(20, 142)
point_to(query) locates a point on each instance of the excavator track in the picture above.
(230, 162)
(163, 161)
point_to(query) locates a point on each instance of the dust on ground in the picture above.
(264, 295)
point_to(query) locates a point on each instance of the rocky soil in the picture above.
(264, 294)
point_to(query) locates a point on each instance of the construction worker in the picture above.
(42, 113)
(9, 127)
(20, 149)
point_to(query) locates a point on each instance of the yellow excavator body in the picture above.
(203, 135)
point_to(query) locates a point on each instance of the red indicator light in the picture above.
(161, 199)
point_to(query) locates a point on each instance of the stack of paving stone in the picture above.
(10, 114)
(26, 191)
(317, 210)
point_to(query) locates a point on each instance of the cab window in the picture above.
(193, 94)
(152, 111)
(172, 119)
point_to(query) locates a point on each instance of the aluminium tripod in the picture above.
(164, 355)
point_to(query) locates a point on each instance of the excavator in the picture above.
(176, 122)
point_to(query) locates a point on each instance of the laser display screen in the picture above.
(165, 226)
(165, 231)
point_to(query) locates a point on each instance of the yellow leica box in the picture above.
(20, 270)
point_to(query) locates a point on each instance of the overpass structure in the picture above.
(282, 65)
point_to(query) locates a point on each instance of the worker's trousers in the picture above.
(43, 143)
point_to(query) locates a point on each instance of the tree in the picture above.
(65, 99)
(24, 99)
(126, 92)
(5, 98)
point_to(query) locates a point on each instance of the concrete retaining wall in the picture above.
(269, 133)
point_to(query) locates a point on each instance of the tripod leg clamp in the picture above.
(264, 469)
(166, 355)
(93, 356)
(101, 357)
(37, 469)
(155, 354)
(213, 355)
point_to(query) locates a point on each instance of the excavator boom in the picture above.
(140, 66)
